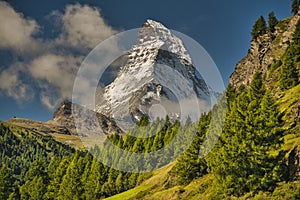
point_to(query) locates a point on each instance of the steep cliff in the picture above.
(264, 50)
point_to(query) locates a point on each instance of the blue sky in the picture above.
(34, 32)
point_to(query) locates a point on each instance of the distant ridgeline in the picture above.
(256, 157)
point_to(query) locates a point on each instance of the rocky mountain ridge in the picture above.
(63, 122)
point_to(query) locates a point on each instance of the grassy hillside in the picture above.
(57, 132)
(157, 187)
(154, 189)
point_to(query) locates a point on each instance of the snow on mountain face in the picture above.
(158, 79)
(155, 33)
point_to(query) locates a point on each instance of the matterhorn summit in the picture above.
(157, 79)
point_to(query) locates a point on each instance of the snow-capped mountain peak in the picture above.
(158, 71)
(153, 32)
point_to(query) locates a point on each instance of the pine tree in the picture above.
(119, 183)
(144, 121)
(35, 189)
(295, 7)
(190, 166)
(54, 185)
(288, 75)
(36, 182)
(257, 89)
(5, 182)
(71, 186)
(138, 146)
(227, 162)
(95, 180)
(272, 21)
(15, 195)
(243, 161)
(87, 162)
(296, 36)
(259, 27)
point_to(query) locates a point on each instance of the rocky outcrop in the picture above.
(258, 58)
(294, 164)
(63, 116)
(63, 121)
(264, 50)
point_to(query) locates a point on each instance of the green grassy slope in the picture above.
(47, 129)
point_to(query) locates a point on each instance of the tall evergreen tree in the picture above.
(14, 195)
(296, 36)
(71, 186)
(5, 182)
(190, 166)
(37, 179)
(272, 21)
(288, 75)
(295, 7)
(54, 185)
(95, 180)
(257, 88)
(259, 27)
(119, 183)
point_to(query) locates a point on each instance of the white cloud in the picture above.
(82, 26)
(52, 64)
(16, 32)
(57, 70)
(50, 95)
(13, 85)
(55, 74)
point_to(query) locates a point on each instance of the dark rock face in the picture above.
(63, 115)
(294, 164)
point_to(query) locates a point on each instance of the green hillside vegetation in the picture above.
(20, 149)
(39, 167)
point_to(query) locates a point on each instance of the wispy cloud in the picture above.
(51, 70)
(82, 26)
(55, 76)
(14, 85)
(16, 31)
